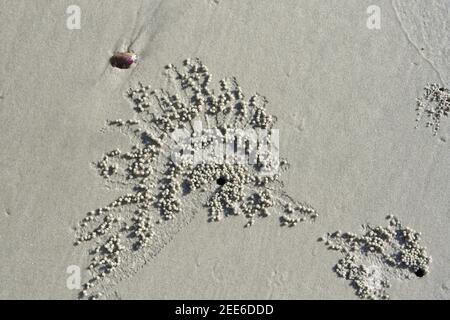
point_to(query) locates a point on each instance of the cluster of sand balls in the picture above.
(168, 199)
(231, 180)
(105, 167)
(434, 104)
(382, 252)
(159, 188)
(295, 214)
(104, 264)
(143, 228)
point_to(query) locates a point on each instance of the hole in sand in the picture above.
(420, 272)
(221, 181)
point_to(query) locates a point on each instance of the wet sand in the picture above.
(344, 97)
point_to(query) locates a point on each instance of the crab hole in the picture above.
(221, 181)
(420, 272)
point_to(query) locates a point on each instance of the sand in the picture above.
(344, 96)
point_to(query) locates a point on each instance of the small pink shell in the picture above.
(123, 60)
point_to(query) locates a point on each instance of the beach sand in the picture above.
(344, 96)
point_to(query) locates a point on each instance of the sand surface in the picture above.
(344, 96)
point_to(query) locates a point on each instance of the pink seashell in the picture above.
(123, 60)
